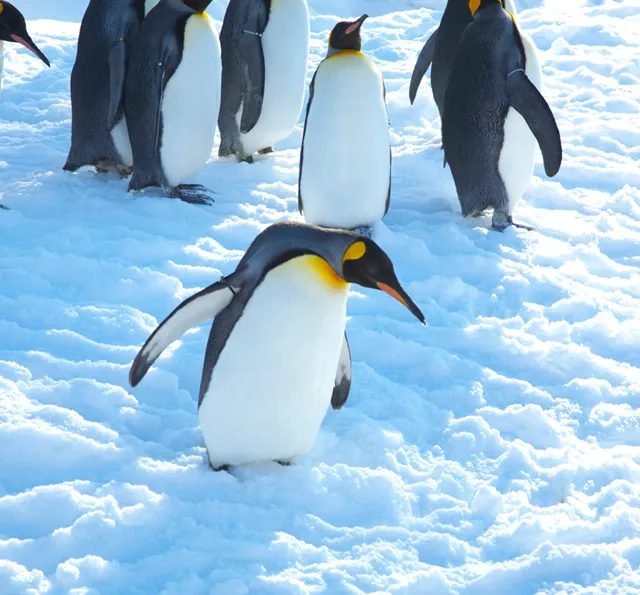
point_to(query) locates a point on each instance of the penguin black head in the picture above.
(346, 35)
(13, 28)
(366, 264)
(197, 5)
(475, 5)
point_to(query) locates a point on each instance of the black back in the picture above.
(156, 55)
(476, 105)
(104, 24)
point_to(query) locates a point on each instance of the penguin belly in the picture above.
(518, 152)
(120, 137)
(346, 168)
(191, 103)
(271, 386)
(285, 46)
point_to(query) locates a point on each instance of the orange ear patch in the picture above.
(474, 5)
(355, 251)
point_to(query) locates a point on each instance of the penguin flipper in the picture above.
(195, 310)
(342, 384)
(252, 55)
(532, 106)
(304, 134)
(117, 72)
(422, 65)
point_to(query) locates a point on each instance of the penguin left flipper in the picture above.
(342, 384)
(532, 106)
(422, 65)
(251, 53)
(199, 308)
(304, 133)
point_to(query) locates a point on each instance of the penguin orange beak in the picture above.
(356, 25)
(404, 299)
(32, 47)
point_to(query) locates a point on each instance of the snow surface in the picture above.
(497, 451)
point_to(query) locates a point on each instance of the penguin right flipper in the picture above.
(200, 307)
(422, 65)
(149, 171)
(117, 72)
(532, 106)
(252, 55)
(342, 384)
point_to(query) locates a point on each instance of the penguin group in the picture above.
(151, 84)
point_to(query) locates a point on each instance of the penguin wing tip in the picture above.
(137, 372)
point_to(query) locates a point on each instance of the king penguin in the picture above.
(265, 48)
(13, 28)
(345, 161)
(493, 116)
(277, 354)
(439, 51)
(172, 97)
(99, 135)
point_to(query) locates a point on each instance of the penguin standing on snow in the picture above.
(172, 97)
(493, 116)
(345, 161)
(265, 47)
(440, 49)
(283, 310)
(99, 135)
(13, 28)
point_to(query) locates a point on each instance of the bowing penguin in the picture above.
(277, 355)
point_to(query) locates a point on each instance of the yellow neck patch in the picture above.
(1, 7)
(474, 5)
(323, 270)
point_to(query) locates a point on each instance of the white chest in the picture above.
(285, 45)
(191, 102)
(346, 168)
(519, 149)
(272, 384)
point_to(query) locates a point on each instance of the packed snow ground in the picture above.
(497, 451)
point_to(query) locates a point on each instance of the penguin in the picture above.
(265, 49)
(99, 135)
(13, 28)
(493, 116)
(440, 48)
(277, 354)
(345, 161)
(172, 97)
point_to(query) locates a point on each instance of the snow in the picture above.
(495, 451)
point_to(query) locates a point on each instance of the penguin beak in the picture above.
(27, 42)
(402, 296)
(357, 24)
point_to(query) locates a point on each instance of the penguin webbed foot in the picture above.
(265, 151)
(195, 194)
(501, 221)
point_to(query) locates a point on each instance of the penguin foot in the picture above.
(265, 151)
(194, 194)
(501, 221)
(220, 468)
(124, 171)
(243, 157)
(364, 230)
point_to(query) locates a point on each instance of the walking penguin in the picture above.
(172, 97)
(494, 114)
(277, 355)
(345, 161)
(99, 135)
(265, 48)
